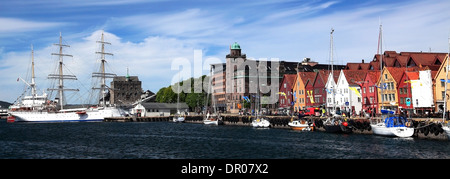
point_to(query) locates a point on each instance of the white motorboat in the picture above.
(394, 126)
(212, 120)
(300, 125)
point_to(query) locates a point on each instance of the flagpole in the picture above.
(446, 80)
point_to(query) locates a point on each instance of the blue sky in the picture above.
(147, 36)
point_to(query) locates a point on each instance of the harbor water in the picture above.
(165, 140)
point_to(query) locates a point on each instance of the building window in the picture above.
(385, 76)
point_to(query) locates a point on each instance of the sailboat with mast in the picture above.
(46, 110)
(335, 124)
(392, 125)
(211, 117)
(259, 121)
(34, 101)
(178, 117)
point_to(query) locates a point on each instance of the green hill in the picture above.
(4, 105)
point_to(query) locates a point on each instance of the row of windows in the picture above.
(388, 97)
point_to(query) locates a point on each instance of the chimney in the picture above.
(362, 60)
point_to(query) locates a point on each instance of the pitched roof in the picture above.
(306, 76)
(374, 75)
(412, 75)
(290, 78)
(396, 73)
(354, 76)
(403, 59)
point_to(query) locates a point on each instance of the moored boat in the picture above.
(301, 125)
(260, 123)
(394, 126)
(337, 125)
(38, 108)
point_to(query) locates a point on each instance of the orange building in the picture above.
(302, 79)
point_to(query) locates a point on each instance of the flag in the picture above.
(283, 94)
(380, 87)
(355, 91)
(311, 98)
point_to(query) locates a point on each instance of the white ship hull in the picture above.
(260, 123)
(381, 129)
(178, 119)
(210, 122)
(90, 115)
(447, 131)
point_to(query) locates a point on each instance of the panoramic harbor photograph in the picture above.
(226, 80)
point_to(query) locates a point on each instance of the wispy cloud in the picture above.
(9, 26)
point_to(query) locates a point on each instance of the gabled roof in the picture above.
(354, 76)
(396, 73)
(412, 75)
(306, 77)
(289, 78)
(374, 75)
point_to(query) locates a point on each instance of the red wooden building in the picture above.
(369, 91)
(285, 91)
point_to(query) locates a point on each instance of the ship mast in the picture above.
(332, 69)
(102, 75)
(380, 47)
(60, 76)
(33, 83)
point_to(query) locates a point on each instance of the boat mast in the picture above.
(380, 47)
(33, 83)
(61, 76)
(332, 69)
(102, 75)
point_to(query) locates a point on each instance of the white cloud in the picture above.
(9, 26)
(150, 60)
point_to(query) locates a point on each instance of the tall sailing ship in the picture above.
(38, 108)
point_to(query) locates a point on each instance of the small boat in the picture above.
(337, 125)
(395, 126)
(178, 119)
(212, 120)
(301, 125)
(260, 123)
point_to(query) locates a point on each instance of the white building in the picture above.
(348, 91)
(329, 86)
(422, 90)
